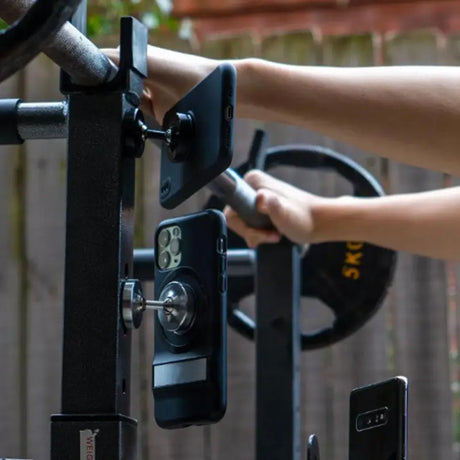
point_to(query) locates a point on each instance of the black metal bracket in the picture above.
(132, 67)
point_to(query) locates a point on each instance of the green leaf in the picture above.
(104, 15)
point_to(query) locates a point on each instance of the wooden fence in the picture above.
(415, 333)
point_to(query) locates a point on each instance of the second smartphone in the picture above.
(190, 357)
(207, 149)
(378, 421)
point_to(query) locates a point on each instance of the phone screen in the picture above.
(378, 421)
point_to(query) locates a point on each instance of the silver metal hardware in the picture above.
(179, 315)
(176, 306)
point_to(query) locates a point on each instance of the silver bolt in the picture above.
(166, 305)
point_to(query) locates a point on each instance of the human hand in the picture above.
(291, 210)
(170, 76)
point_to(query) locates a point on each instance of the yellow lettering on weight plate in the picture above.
(353, 260)
(351, 272)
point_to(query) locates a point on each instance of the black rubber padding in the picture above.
(25, 38)
(9, 122)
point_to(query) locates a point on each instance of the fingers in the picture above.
(258, 179)
(112, 53)
(252, 236)
(147, 97)
(280, 209)
(147, 105)
(286, 206)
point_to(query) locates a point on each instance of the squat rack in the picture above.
(95, 391)
(95, 398)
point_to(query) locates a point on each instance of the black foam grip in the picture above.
(9, 134)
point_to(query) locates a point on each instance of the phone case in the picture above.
(189, 369)
(211, 104)
(378, 421)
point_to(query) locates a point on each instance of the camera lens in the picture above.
(163, 237)
(372, 419)
(176, 232)
(175, 246)
(164, 259)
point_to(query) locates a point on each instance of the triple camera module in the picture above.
(169, 247)
(372, 419)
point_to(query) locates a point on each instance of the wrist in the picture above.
(250, 78)
(337, 219)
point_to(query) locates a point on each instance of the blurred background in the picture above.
(415, 333)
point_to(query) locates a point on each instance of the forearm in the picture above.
(424, 223)
(410, 114)
(175, 71)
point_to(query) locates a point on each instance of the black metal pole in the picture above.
(94, 422)
(278, 288)
(96, 354)
(240, 263)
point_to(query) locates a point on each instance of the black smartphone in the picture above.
(205, 149)
(190, 357)
(378, 421)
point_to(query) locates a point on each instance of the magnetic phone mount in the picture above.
(179, 316)
(179, 130)
(176, 306)
(196, 136)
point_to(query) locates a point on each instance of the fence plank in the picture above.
(12, 408)
(452, 52)
(326, 400)
(347, 371)
(298, 48)
(291, 48)
(233, 47)
(420, 309)
(154, 442)
(140, 370)
(452, 57)
(45, 235)
(420, 343)
(236, 432)
(304, 49)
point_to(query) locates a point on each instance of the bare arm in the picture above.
(425, 223)
(410, 114)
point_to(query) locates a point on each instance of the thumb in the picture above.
(282, 212)
(273, 205)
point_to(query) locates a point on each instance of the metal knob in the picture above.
(132, 304)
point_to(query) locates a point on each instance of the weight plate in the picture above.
(24, 39)
(351, 278)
